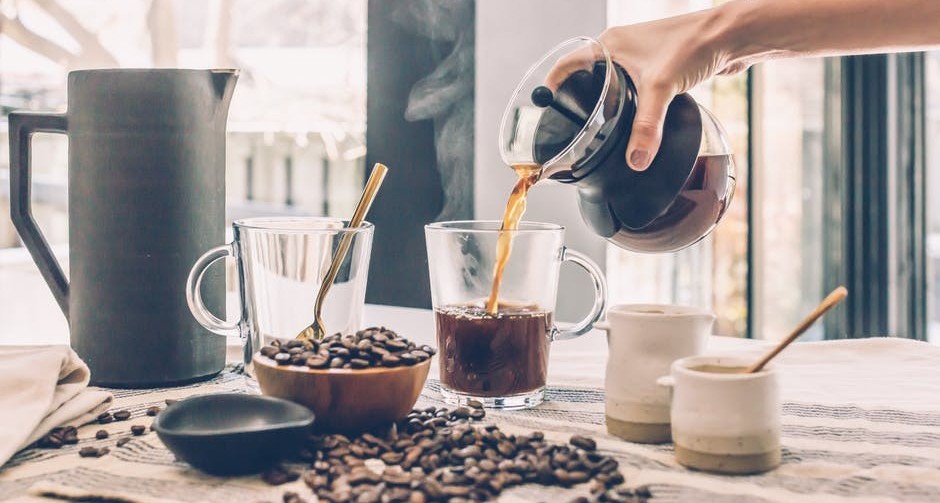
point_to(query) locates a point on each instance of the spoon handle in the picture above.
(365, 202)
(828, 303)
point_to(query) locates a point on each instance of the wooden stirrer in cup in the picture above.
(317, 329)
(828, 303)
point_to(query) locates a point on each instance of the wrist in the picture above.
(731, 33)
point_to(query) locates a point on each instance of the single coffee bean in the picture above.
(396, 345)
(291, 497)
(92, 452)
(153, 411)
(138, 430)
(269, 351)
(277, 476)
(359, 363)
(363, 475)
(337, 362)
(391, 361)
(461, 413)
(101, 434)
(295, 351)
(123, 441)
(294, 343)
(582, 442)
(282, 358)
(318, 362)
(105, 418)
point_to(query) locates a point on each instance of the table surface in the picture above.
(861, 423)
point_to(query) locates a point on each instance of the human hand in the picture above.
(664, 58)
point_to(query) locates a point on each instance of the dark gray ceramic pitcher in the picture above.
(146, 197)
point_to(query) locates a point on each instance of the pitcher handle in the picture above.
(600, 296)
(200, 312)
(22, 126)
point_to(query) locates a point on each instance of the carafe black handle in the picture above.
(22, 126)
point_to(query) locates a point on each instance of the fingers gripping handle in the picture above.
(22, 126)
(194, 295)
(600, 296)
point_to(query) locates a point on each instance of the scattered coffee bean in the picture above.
(153, 411)
(105, 418)
(372, 347)
(290, 497)
(138, 430)
(93, 452)
(123, 441)
(122, 415)
(101, 434)
(278, 475)
(581, 442)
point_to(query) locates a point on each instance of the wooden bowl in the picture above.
(345, 400)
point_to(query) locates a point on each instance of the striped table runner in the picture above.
(843, 439)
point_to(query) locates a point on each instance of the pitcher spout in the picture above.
(223, 83)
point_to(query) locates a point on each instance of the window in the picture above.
(296, 130)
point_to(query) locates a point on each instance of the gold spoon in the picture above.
(828, 303)
(317, 330)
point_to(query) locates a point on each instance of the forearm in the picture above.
(753, 30)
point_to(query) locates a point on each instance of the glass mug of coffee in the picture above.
(499, 356)
(281, 263)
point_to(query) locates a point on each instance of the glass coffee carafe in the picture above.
(572, 115)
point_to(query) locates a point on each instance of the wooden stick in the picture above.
(828, 303)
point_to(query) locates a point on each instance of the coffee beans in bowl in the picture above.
(352, 382)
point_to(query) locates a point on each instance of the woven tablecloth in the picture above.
(861, 423)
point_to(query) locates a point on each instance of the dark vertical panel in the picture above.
(420, 124)
(882, 214)
(865, 220)
(910, 226)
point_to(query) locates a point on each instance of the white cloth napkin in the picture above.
(42, 387)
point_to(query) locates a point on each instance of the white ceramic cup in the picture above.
(643, 340)
(724, 422)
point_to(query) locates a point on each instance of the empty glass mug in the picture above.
(281, 263)
(500, 359)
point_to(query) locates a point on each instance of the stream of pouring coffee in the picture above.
(515, 208)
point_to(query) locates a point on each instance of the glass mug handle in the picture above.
(600, 296)
(194, 295)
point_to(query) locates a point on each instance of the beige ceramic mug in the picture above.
(643, 340)
(724, 420)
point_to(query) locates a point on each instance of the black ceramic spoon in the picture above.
(233, 434)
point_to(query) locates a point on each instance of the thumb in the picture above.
(652, 102)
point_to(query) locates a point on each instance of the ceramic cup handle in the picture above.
(600, 296)
(194, 296)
